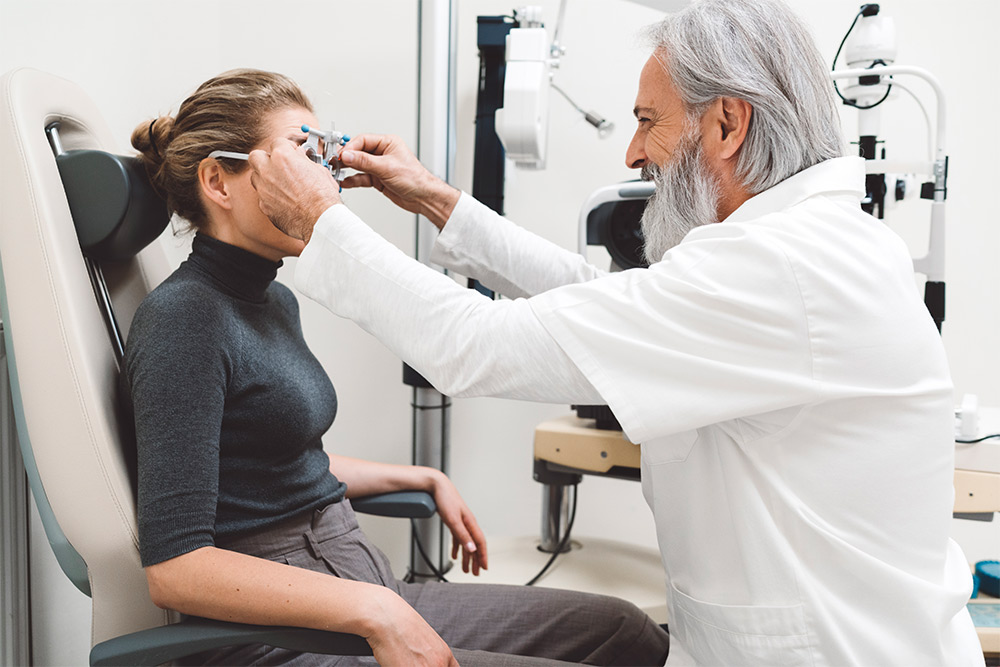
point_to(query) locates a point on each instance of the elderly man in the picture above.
(789, 390)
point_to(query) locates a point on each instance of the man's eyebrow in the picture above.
(646, 111)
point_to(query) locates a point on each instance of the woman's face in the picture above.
(246, 227)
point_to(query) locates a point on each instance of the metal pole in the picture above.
(555, 517)
(436, 39)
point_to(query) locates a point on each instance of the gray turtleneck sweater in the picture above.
(229, 404)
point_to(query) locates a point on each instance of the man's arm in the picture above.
(462, 342)
(479, 243)
(474, 240)
(465, 344)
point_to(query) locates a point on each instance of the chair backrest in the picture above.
(62, 365)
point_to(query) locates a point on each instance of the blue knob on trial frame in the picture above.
(329, 157)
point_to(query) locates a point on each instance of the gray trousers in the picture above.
(484, 624)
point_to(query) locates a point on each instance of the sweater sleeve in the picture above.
(176, 373)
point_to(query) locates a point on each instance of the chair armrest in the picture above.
(400, 504)
(193, 635)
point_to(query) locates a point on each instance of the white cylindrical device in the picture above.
(873, 39)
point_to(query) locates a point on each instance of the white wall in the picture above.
(138, 58)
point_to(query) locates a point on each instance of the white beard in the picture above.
(686, 196)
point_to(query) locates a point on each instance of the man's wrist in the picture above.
(316, 213)
(440, 204)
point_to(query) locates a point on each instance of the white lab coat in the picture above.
(788, 387)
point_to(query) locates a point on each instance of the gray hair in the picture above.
(761, 52)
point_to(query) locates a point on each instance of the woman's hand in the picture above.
(402, 637)
(388, 166)
(365, 478)
(465, 532)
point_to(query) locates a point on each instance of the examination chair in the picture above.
(75, 262)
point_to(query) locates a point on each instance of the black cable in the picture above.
(423, 554)
(559, 549)
(985, 437)
(846, 101)
(562, 542)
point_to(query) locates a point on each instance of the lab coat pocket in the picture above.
(716, 634)
(669, 449)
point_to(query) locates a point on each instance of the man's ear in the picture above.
(725, 126)
(214, 184)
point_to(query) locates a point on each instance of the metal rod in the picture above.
(555, 515)
(437, 37)
(107, 308)
(52, 132)
(430, 448)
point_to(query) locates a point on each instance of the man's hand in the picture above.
(389, 167)
(293, 190)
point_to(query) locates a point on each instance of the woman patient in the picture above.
(242, 515)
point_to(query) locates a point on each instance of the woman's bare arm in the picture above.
(226, 585)
(365, 478)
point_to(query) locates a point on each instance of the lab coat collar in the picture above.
(842, 175)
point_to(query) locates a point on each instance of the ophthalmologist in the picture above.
(788, 388)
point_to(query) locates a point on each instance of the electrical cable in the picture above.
(559, 549)
(972, 442)
(423, 554)
(562, 542)
(568, 99)
(604, 127)
(854, 103)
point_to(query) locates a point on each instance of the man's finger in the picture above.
(366, 162)
(358, 181)
(369, 143)
(257, 160)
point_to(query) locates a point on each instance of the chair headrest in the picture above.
(115, 209)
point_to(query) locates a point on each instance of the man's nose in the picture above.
(635, 155)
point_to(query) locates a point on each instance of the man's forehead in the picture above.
(656, 90)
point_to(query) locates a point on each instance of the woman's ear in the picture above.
(725, 127)
(214, 183)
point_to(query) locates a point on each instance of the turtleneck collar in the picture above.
(238, 272)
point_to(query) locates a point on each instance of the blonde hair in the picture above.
(227, 112)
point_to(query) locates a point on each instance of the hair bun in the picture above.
(151, 140)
